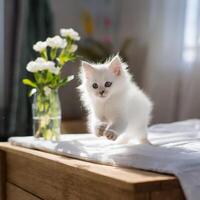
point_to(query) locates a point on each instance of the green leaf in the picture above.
(44, 54)
(38, 77)
(65, 81)
(53, 53)
(29, 83)
(49, 77)
(62, 82)
(63, 58)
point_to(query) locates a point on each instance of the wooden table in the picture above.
(27, 174)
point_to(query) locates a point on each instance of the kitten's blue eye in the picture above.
(108, 84)
(95, 85)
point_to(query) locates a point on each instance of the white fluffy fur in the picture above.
(124, 111)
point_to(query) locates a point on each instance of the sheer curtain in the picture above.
(165, 55)
(164, 67)
(173, 63)
(189, 104)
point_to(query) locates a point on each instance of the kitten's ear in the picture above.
(87, 69)
(116, 65)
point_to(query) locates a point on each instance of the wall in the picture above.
(131, 21)
(67, 15)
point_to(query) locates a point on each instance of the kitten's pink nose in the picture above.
(101, 92)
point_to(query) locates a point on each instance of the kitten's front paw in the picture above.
(99, 129)
(111, 134)
(145, 141)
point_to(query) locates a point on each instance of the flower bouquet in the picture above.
(46, 70)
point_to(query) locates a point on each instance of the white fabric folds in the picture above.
(175, 150)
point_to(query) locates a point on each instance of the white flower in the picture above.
(71, 33)
(47, 90)
(70, 78)
(41, 64)
(73, 48)
(31, 67)
(40, 46)
(56, 42)
(55, 70)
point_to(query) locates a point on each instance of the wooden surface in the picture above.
(49, 176)
(2, 174)
(15, 193)
(73, 126)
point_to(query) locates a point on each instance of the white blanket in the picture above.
(176, 150)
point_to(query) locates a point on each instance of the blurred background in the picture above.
(159, 39)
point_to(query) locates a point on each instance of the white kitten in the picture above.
(116, 107)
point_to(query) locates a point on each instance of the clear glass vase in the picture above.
(46, 112)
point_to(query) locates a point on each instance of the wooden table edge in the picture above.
(85, 168)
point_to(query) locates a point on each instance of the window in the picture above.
(191, 32)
